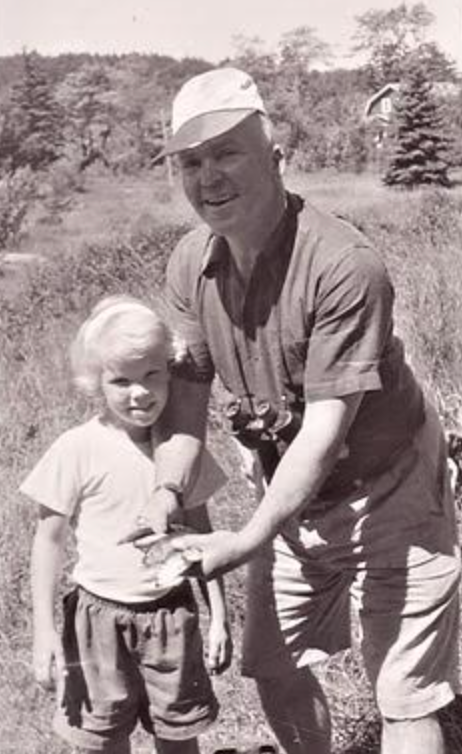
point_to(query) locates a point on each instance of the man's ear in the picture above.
(279, 158)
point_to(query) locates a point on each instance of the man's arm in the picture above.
(184, 421)
(177, 455)
(296, 482)
(303, 468)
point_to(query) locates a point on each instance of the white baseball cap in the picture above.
(209, 105)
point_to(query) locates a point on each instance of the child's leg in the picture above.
(99, 708)
(176, 747)
(179, 705)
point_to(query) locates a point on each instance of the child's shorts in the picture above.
(391, 551)
(133, 663)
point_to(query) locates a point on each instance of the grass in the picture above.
(115, 236)
(105, 208)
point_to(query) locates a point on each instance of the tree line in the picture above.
(114, 109)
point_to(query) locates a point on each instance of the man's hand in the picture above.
(164, 510)
(221, 551)
(48, 660)
(163, 515)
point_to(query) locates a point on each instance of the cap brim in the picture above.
(203, 128)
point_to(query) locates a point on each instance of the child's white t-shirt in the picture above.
(95, 475)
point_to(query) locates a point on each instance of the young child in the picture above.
(130, 651)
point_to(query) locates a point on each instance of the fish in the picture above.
(158, 551)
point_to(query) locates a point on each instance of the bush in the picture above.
(17, 195)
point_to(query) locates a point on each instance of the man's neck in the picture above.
(246, 247)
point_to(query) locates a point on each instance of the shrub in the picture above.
(17, 195)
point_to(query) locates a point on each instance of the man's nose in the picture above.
(209, 171)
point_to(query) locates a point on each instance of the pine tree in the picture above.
(419, 146)
(31, 132)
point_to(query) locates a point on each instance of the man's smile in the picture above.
(218, 201)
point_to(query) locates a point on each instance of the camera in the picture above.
(257, 422)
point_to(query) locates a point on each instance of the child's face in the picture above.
(136, 389)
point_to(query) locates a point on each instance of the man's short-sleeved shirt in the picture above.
(315, 321)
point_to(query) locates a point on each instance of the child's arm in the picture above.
(220, 647)
(46, 565)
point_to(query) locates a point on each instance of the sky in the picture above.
(198, 28)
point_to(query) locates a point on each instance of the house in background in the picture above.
(379, 108)
(378, 112)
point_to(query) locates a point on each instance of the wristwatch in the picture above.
(172, 487)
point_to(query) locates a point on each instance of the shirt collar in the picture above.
(217, 250)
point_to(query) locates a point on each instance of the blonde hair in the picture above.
(118, 326)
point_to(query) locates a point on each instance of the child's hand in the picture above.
(48, 660)
(220, 649)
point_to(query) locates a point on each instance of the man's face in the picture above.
(233, 181)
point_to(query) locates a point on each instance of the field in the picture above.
(115, 235)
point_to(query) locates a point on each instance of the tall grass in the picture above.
(420, 237)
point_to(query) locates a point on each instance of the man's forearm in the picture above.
(295, 482)
(302, 470)
(177, 461)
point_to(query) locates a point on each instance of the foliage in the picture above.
(140, 136)
(115, 109)
(419, 147)
(436, 65)
(30, 133)
(324, 131)
(85, 97)
(453, 110)
(59, 188)
(387, 37)
(300, 49)
(17, 195)
(394, 39)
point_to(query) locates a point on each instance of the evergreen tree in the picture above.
(87, 99)
(419, 146)
(31, 129)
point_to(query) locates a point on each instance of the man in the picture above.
(293, 310)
